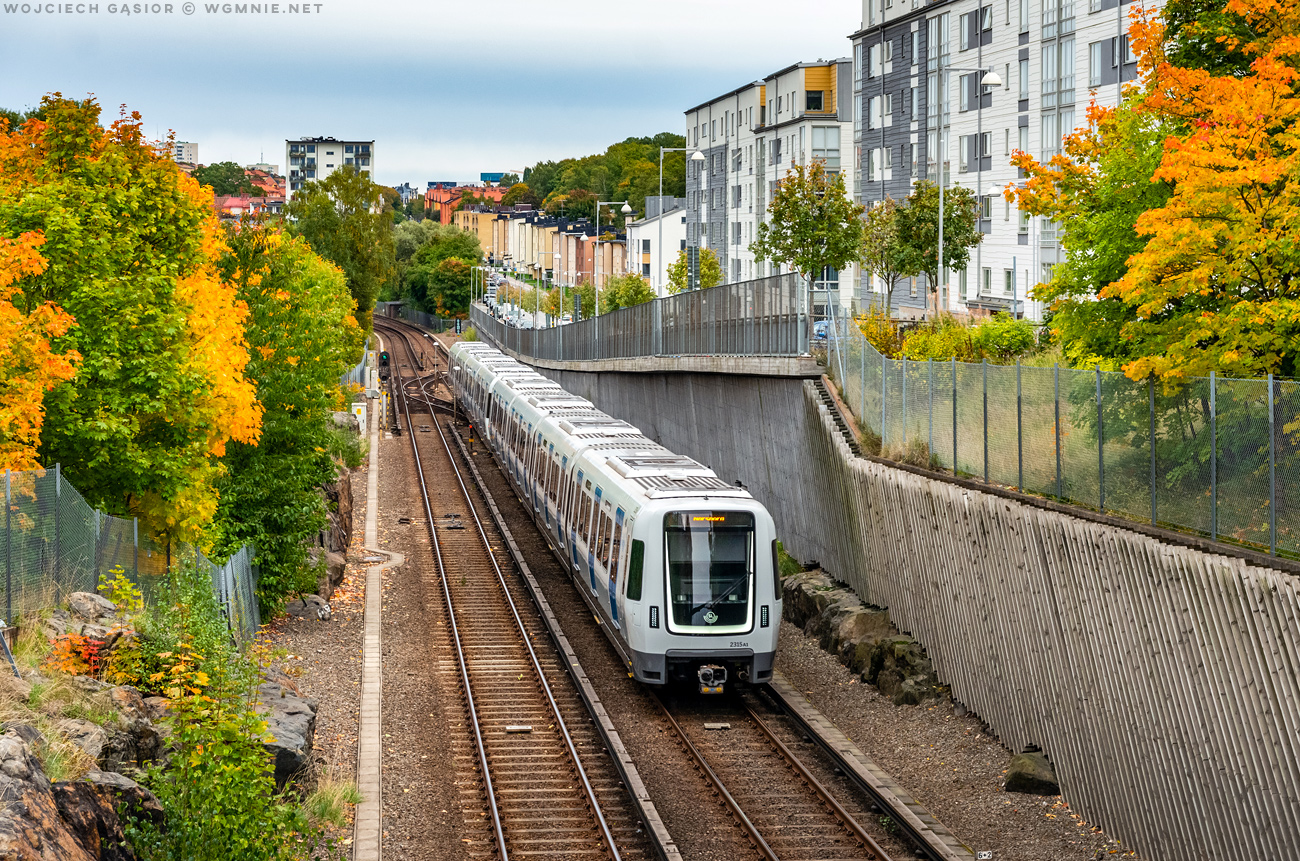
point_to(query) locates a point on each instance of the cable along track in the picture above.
(540, 798)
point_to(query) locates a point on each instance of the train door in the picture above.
(547, 477)
(575, 520)
(561, 494)
(614, 551)
(594, 544)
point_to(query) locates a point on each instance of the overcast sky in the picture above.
(446, 89)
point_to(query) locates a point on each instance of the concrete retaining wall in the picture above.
(1163, 681)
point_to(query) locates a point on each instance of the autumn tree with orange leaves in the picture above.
(130, 250)
(29, 365)
(1204, 164)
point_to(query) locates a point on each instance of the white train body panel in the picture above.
(680, 565)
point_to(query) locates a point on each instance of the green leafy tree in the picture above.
(918, 226)
(131, 245)
(509, 180)
(811, 224)
(303, 337)
(628, 170)
(679, 275)
(520, 193)
(624, 291)
(343, 219)
(226, 177)
(1096, 191)
(882, 252)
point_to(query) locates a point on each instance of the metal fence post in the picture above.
(58, 522)
(883, 362)
(929, 452)
(1214, 462)
(905, 401)
(9, 553)
(1020, 437)
(98, 518)
(954, 415)
(1056, 386)
(135, 548)
(1151, 400)
(1272, 474)
(1101, 457)
(986, 421)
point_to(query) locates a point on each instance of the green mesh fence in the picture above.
(1218, 457)
(54, 543)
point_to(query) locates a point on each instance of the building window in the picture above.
(348, 149)
(311, 147)
(1024, 16)
(986, 207)
(986, 281)
(1024, 138)
(1095, 62)
(1023, 76)
(645, 269)
(963, 148)
(645, 246)
(916, 46)
(813, 100)
(1024, 223)
(1007, 275)
(826, 145)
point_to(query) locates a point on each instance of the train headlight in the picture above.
(654, 617)
(763, 620)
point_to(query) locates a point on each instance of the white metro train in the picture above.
(680, 565)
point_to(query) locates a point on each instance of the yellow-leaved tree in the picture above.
(130, 252)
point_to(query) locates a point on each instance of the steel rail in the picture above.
(455, 631)
(845, 818)
(751, 830)
(561, 724)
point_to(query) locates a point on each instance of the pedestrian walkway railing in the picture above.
(428, 322)
(763, 317)
(357, 376)
(55, 543)
(1218, 457)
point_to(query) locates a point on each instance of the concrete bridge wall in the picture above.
(1163, 680)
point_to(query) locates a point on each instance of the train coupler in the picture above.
(712, 678)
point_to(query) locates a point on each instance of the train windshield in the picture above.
(710, 556)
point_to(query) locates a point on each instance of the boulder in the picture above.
(131, 798)
(155, 708)
(89, 607)
(90, 737)
(346, 421)
(31, 826)
(312, 607)
(28, 733)
(1031, 774)
(132, 739)
(861, 636)
(59, 623)
(89, 812)
(291, 723)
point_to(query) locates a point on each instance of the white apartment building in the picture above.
(917, 72)
(750, 138)
(317, 158)
(655, 242)
(185, 152)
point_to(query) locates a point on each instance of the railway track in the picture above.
(547, 787)
(788, 791)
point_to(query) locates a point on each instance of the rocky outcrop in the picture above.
(1031, 774)
(75, 820)
(312, 607)
(291, 723)
(133, 741)
(861, 636)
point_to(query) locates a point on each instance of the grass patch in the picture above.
(787, 565)
(329, 802)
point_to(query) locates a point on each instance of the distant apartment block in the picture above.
(317, 158)
(751, 137)
(273, 169)
(185, 152)
(917, 72)
(655, 242)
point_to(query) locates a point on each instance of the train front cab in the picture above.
(701, 599)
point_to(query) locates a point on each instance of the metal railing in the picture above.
(1214, 458)
(762, 317)
(55, 543)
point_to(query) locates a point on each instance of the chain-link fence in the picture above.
(428, 322)
(358, 376)
(1219, 457)
(54, 543)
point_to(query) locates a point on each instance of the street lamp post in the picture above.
(990, 79)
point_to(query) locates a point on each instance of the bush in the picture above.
(941, 339)
(882, 332)
(469, 334)
(1002, 338)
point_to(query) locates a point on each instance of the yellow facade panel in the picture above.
(822, 78)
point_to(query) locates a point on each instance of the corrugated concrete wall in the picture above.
(1163, 681)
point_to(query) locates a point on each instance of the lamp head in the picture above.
(991, 80)
(626, 210)
(697, 156)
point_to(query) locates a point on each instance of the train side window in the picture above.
(602, 540)
(635, 562)
(616, 546)
(776, 570)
